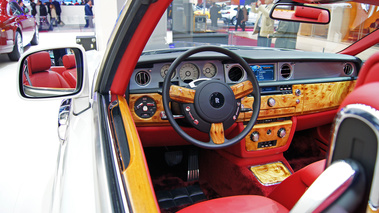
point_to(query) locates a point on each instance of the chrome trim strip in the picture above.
(120, 181)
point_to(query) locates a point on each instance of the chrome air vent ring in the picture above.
(142, 78)
(286, 71)
(348, 69)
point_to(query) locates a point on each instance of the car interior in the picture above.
(301, 131)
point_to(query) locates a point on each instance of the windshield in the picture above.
(192, 24)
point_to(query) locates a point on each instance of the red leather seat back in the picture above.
(70, 74)
(38, 62)
(39, 72)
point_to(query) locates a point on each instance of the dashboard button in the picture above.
(271, 102)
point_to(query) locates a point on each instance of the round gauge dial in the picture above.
(209, 70)
(189, 72)
(164, 71)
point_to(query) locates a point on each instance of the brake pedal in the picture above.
(173, 158)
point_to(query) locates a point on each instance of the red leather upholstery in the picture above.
(69, 61)
(281, 199)
(307, 12)
(369, 71)
(242, 203)
(39, 72)
(311, 13)
(70, 74)
(291, 189)
(38, 62)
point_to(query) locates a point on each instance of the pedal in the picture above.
(193, 165)
(173, 158)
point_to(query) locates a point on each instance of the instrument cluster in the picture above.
(186, 72)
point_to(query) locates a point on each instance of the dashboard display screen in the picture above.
(263, 72)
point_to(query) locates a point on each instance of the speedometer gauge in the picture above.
(164, 71)
(188, 72)
(209, 70)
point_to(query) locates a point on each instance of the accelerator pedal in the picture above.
(193, 165)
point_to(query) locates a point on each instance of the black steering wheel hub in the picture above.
(215, 101)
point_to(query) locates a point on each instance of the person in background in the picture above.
(48, 7)
(245, 17)
(240, 17)
(264, 24)
(286, 34)
(23, 7)
(88, 14)
(58, 10)
(214, 14)
(34, 10)
(53, 17)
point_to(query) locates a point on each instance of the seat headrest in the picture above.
(38, 62)
(69, 61)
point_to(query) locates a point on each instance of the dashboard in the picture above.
(293, 84)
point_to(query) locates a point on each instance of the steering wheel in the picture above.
(212, 105)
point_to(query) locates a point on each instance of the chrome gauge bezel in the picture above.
(194, 72)
(209, 70)
(164, 70)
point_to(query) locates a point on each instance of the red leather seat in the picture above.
(70, 74)
(242, 203)
(40, 74)
(281, 199)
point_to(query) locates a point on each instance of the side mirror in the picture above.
(51, 73)
(300, 13)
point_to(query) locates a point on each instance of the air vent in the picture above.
(142, 78)
(235, 73)
(348, 69)
(285, 71)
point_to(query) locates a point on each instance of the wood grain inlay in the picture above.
(217, 133)
(263, 129)
(155, 119)
(324, 96)
(181, 94)
(271, 173)
(136, 175)
(242, 89)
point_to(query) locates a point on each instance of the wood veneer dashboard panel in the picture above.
(268, 132)
(312, 98)
(318, 97)
(155, 119)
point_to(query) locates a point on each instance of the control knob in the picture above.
(254, 136)
(281, 133)
(271, 102)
